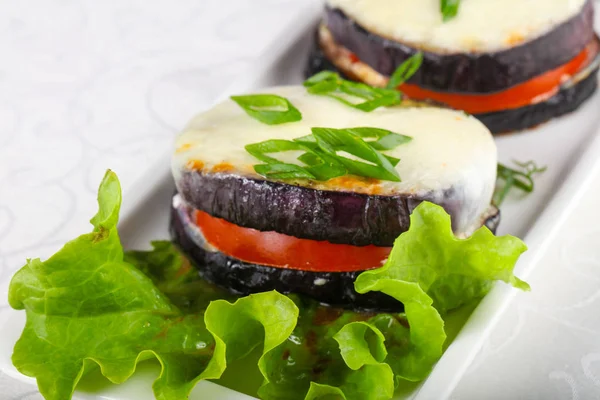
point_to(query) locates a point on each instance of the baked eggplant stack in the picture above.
(298, 189)
(512, 64)
(265, 203)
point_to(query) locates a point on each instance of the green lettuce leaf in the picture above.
(291, 370)
(87, 306)
(361, 344)
(431, 271)
(310, 361)
(310, 354)
(176, 278)
(92, 305)
(371, 382)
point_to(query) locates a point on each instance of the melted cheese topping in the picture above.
(451, 155)
(480, 25)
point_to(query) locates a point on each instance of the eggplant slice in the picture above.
(468, 72)
(568, 99)
(338, 217)
(334, 288)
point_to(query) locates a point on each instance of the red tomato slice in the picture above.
(533, 91)
(283, 251)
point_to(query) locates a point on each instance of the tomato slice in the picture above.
(533, 91)
(283, 251)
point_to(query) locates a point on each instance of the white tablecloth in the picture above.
(87, 85)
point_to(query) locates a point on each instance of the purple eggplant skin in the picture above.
(317, 61)
(565, 101)
(302, 212)
(468, 72)
(339, 217)
(493, 220)
(333, 288)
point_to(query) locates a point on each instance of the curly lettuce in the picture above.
(86, 305)
(92, 305)
(431, 271)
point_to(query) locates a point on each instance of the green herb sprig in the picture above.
(321, 154)
(449, 9)
(509, 179)
(268, 108)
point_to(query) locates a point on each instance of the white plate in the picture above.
(558, 144)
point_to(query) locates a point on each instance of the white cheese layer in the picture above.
(451, 154)
(479, 26)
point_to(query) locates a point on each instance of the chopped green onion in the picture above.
(268, 108)
(393, 160)
(387, 140)
(330, 84)
(320, 154)
(323, 76)
(367, 98)
(258, 150)
(449, 9)
(325, 172)
(320, 165)
(306, 140)
(333, 140)
(405, 71)
(322, 82)
(310, 159)
(283, 171)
